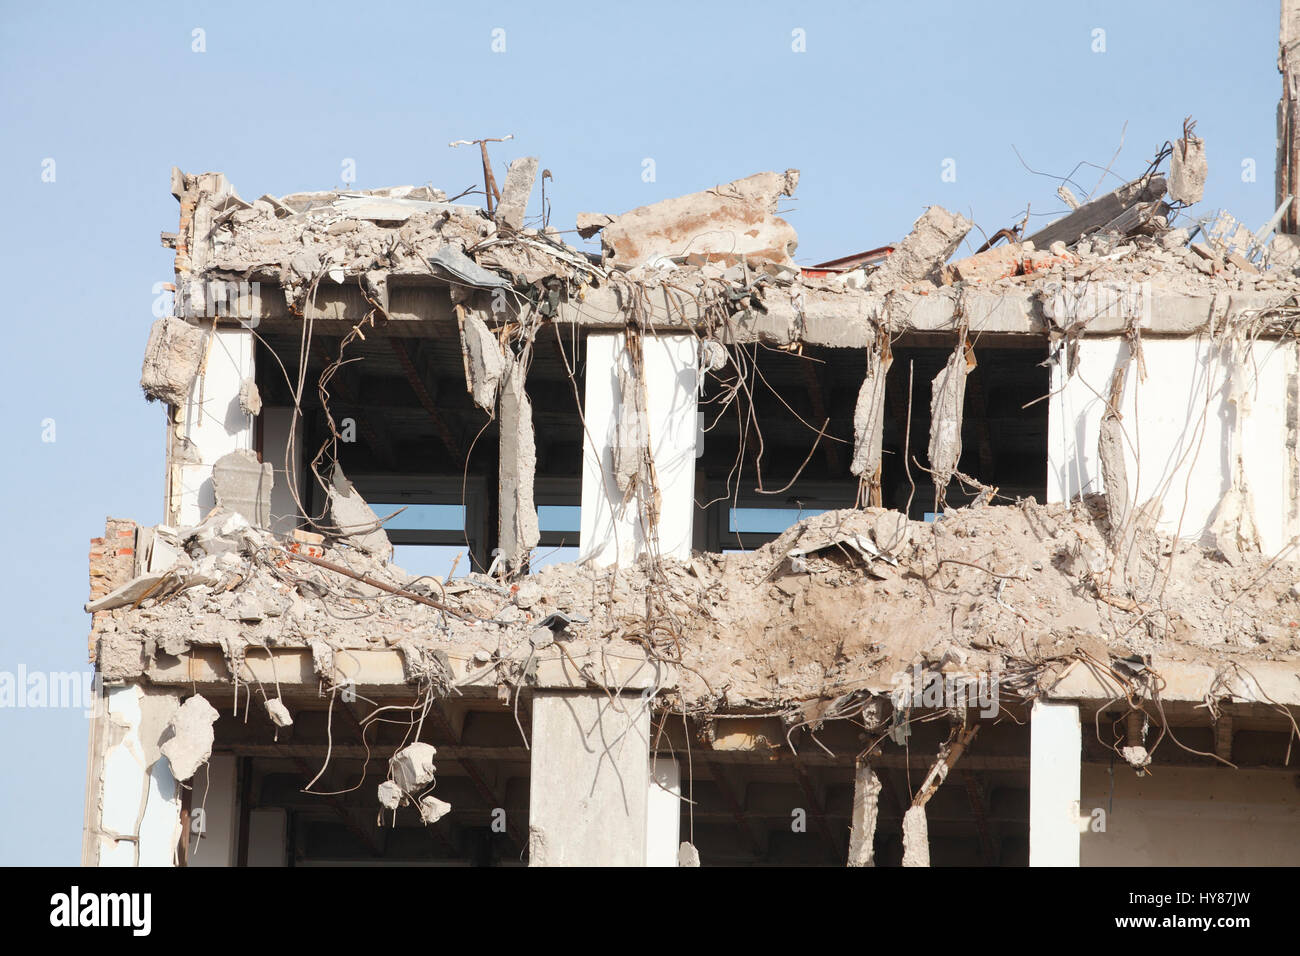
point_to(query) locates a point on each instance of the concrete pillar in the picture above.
(590, 779)
(211, 424)
(1055, 774)
(612, 533)
(134, 812)
(664, 812)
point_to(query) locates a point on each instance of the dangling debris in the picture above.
(171, 360)
(947, 400)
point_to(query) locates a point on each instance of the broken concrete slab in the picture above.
(516, 189)
(1096, 214)
(242, 484)
(190, 744)
(171, 360)
(590, 223)
(518, 529)
(484, 362)
(356, 522)
(935, 236)
(1188, 170)
(727, 224)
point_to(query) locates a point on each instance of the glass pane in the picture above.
(559, 517)
(421, 517)
(766, 520)
(435, 559)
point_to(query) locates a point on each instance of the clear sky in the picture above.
(881, 100)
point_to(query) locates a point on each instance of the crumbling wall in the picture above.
(1180, 423)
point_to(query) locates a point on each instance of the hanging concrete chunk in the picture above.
(518, 531)
(483, 361)
(869, 419)
(947, 399)
(250, 399)
(1114, 474)
(515, 191)
(866, 803)
(190, 744)
(278, 712)
(1188, 170)
(390, 795)
(412, 766)
(724, 224)
(355, 519)
(432, 809)
(171, 360)
(935, 236)
(916, 838)
(243, 484)
(687, 855)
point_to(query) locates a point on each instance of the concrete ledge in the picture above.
(617, 669)
(1261, 682)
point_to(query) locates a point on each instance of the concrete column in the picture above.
(1055, 774)
(134, 813)
(211, 425)
(664, 812)
(612, 533)
(590, 786)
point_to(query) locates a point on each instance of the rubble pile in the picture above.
(842, 601)
(727, 244)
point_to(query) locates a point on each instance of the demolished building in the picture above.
(911, 557)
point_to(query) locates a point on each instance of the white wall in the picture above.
(215, 793)
(137, 795)
(612, 534)
(1180, 423)
(213, 421)
(275, 438)
(1192, 817)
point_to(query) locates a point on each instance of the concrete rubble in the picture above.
(726, 224)
(839, 604)
(190, 743)
(171, 360)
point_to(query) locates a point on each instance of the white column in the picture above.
(136, 809)
(590, 781)
(212, 422)
(1055, 775)
(663, 812)
(611, 533)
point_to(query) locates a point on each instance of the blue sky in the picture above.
(881, 97)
